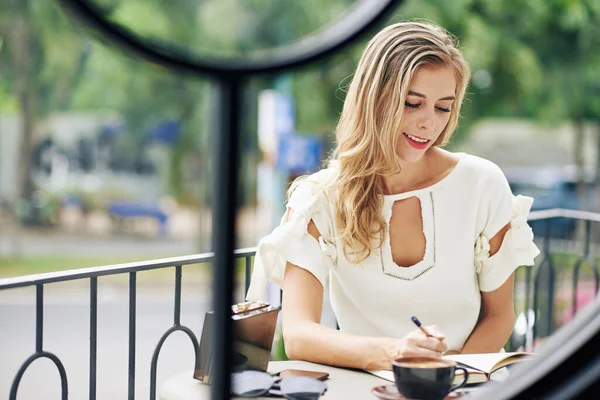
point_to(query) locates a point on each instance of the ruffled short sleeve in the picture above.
(291, 242)
(517, 247)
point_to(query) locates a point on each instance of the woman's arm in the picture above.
(496, 320)
(306, 339)
(497, 315)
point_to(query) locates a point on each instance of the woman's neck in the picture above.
(412, 175)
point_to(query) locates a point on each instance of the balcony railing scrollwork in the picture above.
(529, 290)
(132, 269)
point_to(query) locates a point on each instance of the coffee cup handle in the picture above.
(464, 381)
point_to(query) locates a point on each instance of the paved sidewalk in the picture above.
(188, 232)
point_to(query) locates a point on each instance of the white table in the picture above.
(342, 383)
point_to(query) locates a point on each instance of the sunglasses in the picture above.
(257, 383)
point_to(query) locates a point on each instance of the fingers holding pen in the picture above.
(435, 331)
(434, 344)
(431, 343)
(417, 347)
(433, 335)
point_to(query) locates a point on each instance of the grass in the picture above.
(27, 265)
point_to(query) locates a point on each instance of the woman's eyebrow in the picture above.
(412, 93)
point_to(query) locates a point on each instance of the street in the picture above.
(67, 321)
(66, 334)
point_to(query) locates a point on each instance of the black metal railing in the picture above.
(532, 288)
(132, 269)
(541, 300)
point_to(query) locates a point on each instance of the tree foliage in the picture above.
(530, 58)
(41, 61)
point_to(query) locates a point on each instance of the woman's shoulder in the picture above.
(319, 182)
(312, 191)
(309, 197)
(325, 176)
(480, 169)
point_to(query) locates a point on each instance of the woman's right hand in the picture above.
(417, 344)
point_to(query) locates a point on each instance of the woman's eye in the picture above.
(411, 105)
(442, 109)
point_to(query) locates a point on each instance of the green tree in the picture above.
(145, 94)
(41, 74)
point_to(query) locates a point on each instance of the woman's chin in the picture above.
(411, 156)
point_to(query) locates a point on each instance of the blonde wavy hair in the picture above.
(368, 128)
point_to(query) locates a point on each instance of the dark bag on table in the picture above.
(253, 331)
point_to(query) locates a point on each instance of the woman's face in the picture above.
(426, 111)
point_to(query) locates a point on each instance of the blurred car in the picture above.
(551, 187)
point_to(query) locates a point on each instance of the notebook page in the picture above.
(484, 361)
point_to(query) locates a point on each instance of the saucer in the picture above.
(390, 392)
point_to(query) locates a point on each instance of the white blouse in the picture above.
(460, 213)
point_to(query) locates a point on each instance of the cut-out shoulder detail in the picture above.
(313, 231)
(303, 238)
(516, 249)
(497, 240)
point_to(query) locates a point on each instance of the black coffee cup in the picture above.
(426, 378)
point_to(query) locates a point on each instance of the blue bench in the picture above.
(123, 209)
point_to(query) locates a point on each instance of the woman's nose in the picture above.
(426, 121)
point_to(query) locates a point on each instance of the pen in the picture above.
(429, 334)
(420, 326)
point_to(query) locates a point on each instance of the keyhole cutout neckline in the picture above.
(426, 198)
(405, 229)
(389, 267)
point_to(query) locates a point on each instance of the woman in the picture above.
(396, 226)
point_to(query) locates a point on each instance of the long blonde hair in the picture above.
(367, 130)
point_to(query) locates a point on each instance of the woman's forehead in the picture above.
(434, 82)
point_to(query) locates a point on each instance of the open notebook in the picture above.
(480, 366)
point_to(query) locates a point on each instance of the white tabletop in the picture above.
(342, 383)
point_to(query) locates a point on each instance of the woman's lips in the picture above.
(417, 142)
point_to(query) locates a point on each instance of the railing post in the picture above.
(39, 318)
(93, 335)
(579, 263)
(550, 299)
(536, 283)
(177, 301)
(528, 289)
(132, 324)
(248, 271)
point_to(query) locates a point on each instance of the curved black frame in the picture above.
(364, 15)
(230, 73)
(568, 366)
(565, 369)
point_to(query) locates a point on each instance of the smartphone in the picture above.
(288, 373)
